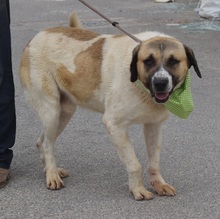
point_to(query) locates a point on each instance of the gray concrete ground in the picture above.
(97, 187)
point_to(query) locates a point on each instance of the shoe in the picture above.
(4, 176)
(164, 1)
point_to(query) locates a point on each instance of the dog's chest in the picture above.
(146, 112)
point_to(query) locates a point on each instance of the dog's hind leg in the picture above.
(49, 112)
(119, 135)
(41, 91)
(67, 109)
(153, 141)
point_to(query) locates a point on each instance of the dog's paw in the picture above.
(141, 193)
(62, 172)
(53, 180)
(164, 189)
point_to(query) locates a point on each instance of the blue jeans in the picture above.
(7, 102)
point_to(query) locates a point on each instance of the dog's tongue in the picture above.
(161, 96)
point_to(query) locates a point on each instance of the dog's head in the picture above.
(162, 63)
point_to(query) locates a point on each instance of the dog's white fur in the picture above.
(47, 62)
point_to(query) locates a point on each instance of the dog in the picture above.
(65, 67)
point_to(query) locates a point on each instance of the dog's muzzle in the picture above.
(161, 86)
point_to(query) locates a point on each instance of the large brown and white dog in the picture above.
(64, 67)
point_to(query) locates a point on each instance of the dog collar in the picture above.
(180, 102)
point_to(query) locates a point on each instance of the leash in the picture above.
(114, 23)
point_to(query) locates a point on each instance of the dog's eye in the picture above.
(149, 62)
(173, 61)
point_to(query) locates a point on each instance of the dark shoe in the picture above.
(4, 176)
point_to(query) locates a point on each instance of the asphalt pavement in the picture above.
(97, 187)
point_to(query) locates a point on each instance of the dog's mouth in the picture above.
(161, 97)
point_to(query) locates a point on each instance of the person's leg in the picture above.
(7, 103)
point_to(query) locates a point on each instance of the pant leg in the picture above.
(7, 103)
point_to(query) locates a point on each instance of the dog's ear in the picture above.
(133, 66)
(192, 60)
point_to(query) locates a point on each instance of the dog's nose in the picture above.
(160, 83)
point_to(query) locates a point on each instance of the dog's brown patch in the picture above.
(24, 68)
(87, 76)
(76, 33)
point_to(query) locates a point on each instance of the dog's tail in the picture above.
(74, 21)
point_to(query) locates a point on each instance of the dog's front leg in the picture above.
(127, 155)
(152, 135)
